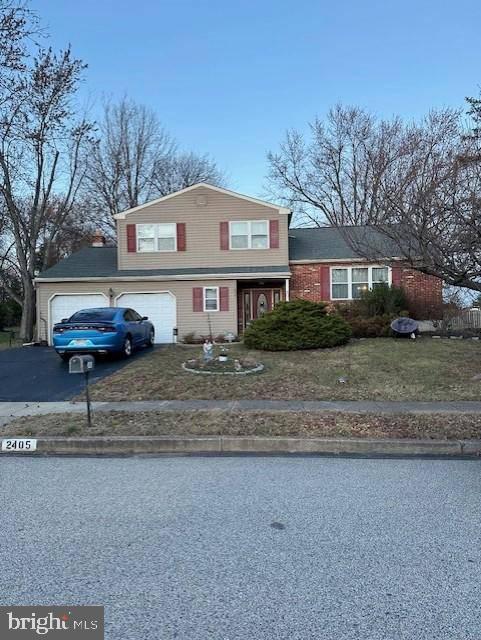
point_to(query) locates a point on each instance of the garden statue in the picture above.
(208, 349)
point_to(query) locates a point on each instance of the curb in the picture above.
(226, 445)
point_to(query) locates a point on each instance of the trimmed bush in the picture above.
(298, 324)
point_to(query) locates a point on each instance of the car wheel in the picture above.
(151, 338)
(127, 348)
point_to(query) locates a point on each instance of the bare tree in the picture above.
(410, 189)
(181, 170)
(41, 163)
(130, 143)
(135, 160)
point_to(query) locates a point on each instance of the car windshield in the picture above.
(93, 315)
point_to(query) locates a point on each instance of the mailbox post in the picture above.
(83, 364)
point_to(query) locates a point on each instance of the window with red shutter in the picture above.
(197, 299)
(131, 238)
(274, 234)
(224, 236)
(181, 239)
(224, 298)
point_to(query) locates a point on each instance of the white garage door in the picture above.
(160, 308)
(63, 306)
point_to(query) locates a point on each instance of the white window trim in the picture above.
(156, 237)
(217, 299)
(349, 278)
(249, 236)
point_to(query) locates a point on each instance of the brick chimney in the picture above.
(98, 239)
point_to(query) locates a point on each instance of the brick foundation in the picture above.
(424, 292)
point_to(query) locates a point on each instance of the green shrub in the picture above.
(298, 324)
(382, 300)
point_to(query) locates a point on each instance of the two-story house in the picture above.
(200, 260)
(208, 260)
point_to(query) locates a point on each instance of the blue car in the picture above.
(103, 330)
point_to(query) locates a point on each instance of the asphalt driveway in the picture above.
(36, 374)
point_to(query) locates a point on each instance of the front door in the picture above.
(253, 303)
(261, 302)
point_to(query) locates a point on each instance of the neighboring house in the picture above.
(205, 259)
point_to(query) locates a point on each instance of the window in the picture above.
(348, 283)
(340, 283)
(94, 315)
(251, 234)
(211, 298)
(156, 237)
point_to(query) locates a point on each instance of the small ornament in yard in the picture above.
(237, 365)
(208, 349)
(229, 336)
(342, 380)
(223, 355)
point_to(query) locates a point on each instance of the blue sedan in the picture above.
(103, 330)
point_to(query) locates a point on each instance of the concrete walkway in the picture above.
(11, 410)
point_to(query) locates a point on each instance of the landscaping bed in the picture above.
(375, 369)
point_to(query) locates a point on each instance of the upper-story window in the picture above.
(156, 237)
(348, 283)
(249, 234)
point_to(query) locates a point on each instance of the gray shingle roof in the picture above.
(101, 262)
(328, 243)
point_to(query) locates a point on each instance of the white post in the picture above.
(287, 289)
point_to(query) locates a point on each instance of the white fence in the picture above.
(466, 319)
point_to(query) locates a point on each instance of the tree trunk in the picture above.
(28, 312)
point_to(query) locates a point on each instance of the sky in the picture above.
(228, 77)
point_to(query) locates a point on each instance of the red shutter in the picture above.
(224, 298)
(224, 236)
(197, 299)
(181, 243)
(274, 234)
(396, 276)
(131, 238)
(325, 283)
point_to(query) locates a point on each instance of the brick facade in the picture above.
(424, 292)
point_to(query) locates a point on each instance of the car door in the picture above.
(143, 326)
(133, 326)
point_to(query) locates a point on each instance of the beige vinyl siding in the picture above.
(187, 320)
(202, 232)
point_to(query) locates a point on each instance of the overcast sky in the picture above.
(227, 77)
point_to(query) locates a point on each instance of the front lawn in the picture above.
(378, 369)
(270, 423)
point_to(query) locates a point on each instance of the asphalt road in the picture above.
(36, 374)
(248, 548)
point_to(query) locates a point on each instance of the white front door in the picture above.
(65, 305)
(160, 308)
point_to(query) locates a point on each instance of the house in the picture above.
(208, 260)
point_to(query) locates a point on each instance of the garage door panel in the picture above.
(65, 305)
(160, 308)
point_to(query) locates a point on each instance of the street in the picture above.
(248, 548)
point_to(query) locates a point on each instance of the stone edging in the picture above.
(260, 367)
(231, 445)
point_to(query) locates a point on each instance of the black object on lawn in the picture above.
(404, 326)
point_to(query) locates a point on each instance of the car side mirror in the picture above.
(145, 318)
(63, 320)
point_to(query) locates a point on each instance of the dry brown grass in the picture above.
(381, 369)
(306, 425)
